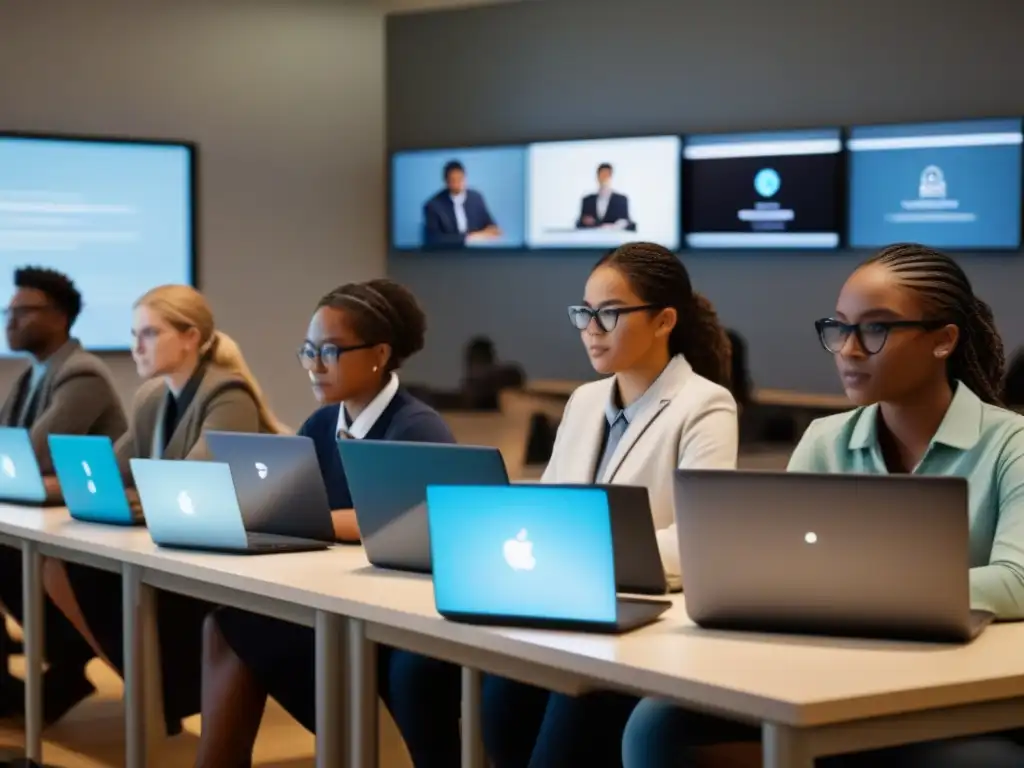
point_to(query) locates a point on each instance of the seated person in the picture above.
(484, 377)
(662, 404)
(457, 215)
(65, 390)
(920, 356)
(605, 208)
(357, 339)
(197, 380)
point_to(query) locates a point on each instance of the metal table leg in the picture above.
(330, 693)
(362, 704)
(782, 747)
(32, 598)
(473, 755)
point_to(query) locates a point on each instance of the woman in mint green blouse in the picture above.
(919, 355)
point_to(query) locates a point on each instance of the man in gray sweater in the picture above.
(65, 390)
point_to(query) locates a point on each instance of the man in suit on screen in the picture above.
(457, 215)
(606, 209)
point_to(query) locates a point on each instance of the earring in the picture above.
(375, 369)
(941, 353)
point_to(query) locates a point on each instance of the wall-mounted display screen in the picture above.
(948, 185)
(458, 198)
(601, 194)
(763, 190)
(115, 216)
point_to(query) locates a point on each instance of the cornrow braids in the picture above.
(659, 278)
(978, 359)
(382, 312)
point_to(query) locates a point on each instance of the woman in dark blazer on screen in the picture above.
(196, 380)
(358, 337)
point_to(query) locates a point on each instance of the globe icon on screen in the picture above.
(767, 182)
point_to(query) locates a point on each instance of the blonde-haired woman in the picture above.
(196, 381)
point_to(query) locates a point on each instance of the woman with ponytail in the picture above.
(196, 380)
(664, 403)
(919, 355)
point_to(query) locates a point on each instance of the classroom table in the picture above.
(812, 696)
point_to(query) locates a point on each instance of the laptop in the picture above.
(193, 505)
(278, 483)
(388, 481)
(882, 556)
(529, 555)
(638, 567)
(20, 480)
(90, 480)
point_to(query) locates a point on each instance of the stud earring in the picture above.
(941, 353)
(375, 369)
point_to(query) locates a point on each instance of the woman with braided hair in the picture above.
(919, 355)
(663, 403)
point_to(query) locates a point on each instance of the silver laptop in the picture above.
(854, 555)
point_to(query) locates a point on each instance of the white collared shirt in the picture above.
(459, 202)
(364, 421)
(604, 196)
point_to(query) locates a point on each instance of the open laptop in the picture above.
(278, 483)
(193, 505)
(90, 479)
(388, 481)
(529, 555)
(638, 567)
(20, 480)
(855, 555)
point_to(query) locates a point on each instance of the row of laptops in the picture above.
(834, 554)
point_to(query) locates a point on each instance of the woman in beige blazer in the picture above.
(196, 380)
(663, 404)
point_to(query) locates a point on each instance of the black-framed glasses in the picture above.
(871, 336)
(327, 354)
(25, 310)
(607, 317)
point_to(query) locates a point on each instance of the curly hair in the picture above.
(57, 287)
(659, 278)
(978, 359)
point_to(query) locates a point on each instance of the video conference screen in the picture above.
(116, 217)
(948, 185)
(763, 190)
(458, 198)
(601, 194)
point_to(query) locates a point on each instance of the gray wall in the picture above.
(286, 101)
(570, 69)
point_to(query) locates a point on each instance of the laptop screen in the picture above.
(189, 503)
(522, 551)
(89, 477)
(19, 471)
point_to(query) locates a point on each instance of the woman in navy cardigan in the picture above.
(360, 334)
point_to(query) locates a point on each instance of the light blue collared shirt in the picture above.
(977, 441)
(619, 419)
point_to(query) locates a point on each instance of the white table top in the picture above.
(785, 679)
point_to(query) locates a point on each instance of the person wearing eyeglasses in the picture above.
(359, 336)
(195, 380)
(663, 404)
(918, 353)
(64, 390)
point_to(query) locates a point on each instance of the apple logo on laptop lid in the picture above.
(519, 552)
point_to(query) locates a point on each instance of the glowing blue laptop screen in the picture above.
(522, 551)
(189, 503)
(89, 477)
(19, 471)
